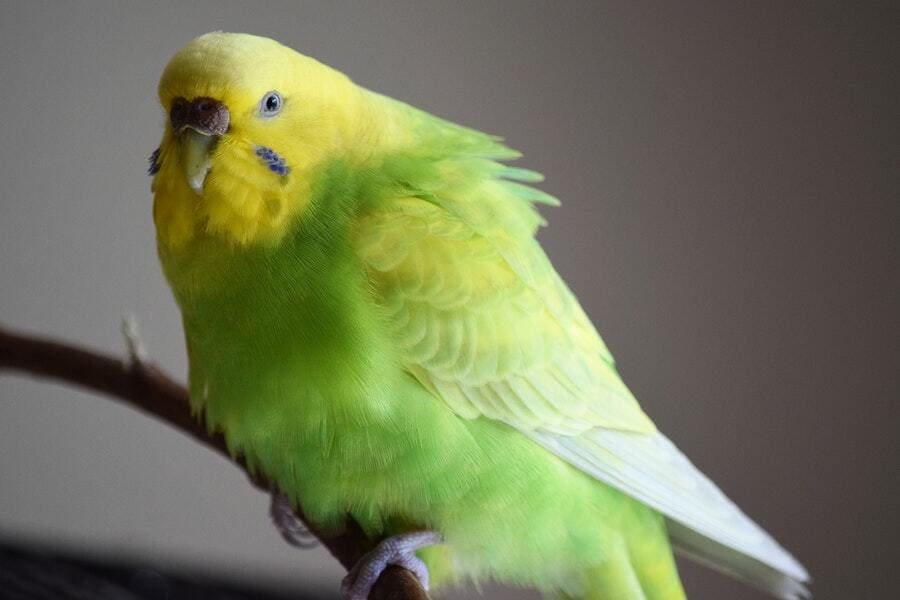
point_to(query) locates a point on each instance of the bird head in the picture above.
(248, 123)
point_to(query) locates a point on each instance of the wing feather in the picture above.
(703, 521)
(484, 322)
(476, 309)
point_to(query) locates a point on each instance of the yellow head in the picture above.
(248, 121)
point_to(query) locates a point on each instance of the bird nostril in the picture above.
(179, 107)
(203, 114)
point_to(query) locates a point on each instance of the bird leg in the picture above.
(288, 525)
(398, 550)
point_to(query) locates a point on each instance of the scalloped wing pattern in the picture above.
(484, 322)
(480, 316)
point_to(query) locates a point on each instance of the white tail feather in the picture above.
(726, 560)
(703, 523)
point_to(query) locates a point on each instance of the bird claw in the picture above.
(397, 550)
(288, 525)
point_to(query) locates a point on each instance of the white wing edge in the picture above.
(703, 523)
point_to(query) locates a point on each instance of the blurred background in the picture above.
(729, 184)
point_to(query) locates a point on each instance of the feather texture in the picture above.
(703, 522)
(372, 324)
(483, 320)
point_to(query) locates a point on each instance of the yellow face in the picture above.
(248, 121)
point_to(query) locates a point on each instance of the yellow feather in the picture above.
(242, 203)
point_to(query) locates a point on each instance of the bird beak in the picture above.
(199, 125)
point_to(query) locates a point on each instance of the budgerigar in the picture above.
(373, 326)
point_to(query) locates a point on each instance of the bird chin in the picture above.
(196, 147)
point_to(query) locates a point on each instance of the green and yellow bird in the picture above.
(373, 326)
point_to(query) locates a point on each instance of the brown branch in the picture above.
(143, 386)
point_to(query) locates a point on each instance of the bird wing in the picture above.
(484, 322)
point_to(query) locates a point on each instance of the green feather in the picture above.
(380, 334)
(295, 360)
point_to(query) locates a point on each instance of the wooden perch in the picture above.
(142, 385)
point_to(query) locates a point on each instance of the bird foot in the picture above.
(397, 550)
(288, 525)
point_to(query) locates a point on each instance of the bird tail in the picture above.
(719, 557)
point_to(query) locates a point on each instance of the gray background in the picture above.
(729, 219)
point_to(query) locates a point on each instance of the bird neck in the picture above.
(289, 329)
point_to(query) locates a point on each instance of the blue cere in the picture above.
(154, 163)
(275, 163)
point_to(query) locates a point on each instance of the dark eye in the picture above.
(271, 104)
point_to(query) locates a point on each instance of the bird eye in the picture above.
(271, 104)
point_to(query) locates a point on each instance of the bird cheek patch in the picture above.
(154, 163)
(272, 160)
